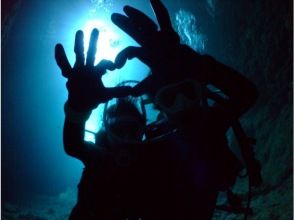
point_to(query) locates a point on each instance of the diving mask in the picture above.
(179, 97)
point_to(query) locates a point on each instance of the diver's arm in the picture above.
(85, 92)
(73, 136)
(242, 93)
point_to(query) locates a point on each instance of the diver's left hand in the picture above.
(157, 46)
(160, 48)
(85, 87)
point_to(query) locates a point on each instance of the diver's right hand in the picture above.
(85, 87)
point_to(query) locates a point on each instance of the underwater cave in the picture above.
(255, 37)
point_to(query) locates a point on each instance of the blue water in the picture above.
(33, 89)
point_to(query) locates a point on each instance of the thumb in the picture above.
(103, 66)
(129, 53)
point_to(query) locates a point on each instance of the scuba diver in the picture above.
(184, 161)
(179, 86)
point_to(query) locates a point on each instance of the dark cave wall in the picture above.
(9, 10)
(256, 38)
(260, 46)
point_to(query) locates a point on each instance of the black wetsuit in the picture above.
(175, 178)
(189, 167)
(111, 184)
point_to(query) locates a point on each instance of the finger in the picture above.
(103, 66)
(127, 54)
(62, 60)
(92, 48)
(140, 20)
(79, 48)
(125, 23)
(162, 15)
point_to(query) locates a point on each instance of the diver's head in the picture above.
(124, 122)
(178, 100)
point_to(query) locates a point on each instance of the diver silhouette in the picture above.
(179, 88)
(185, 160)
